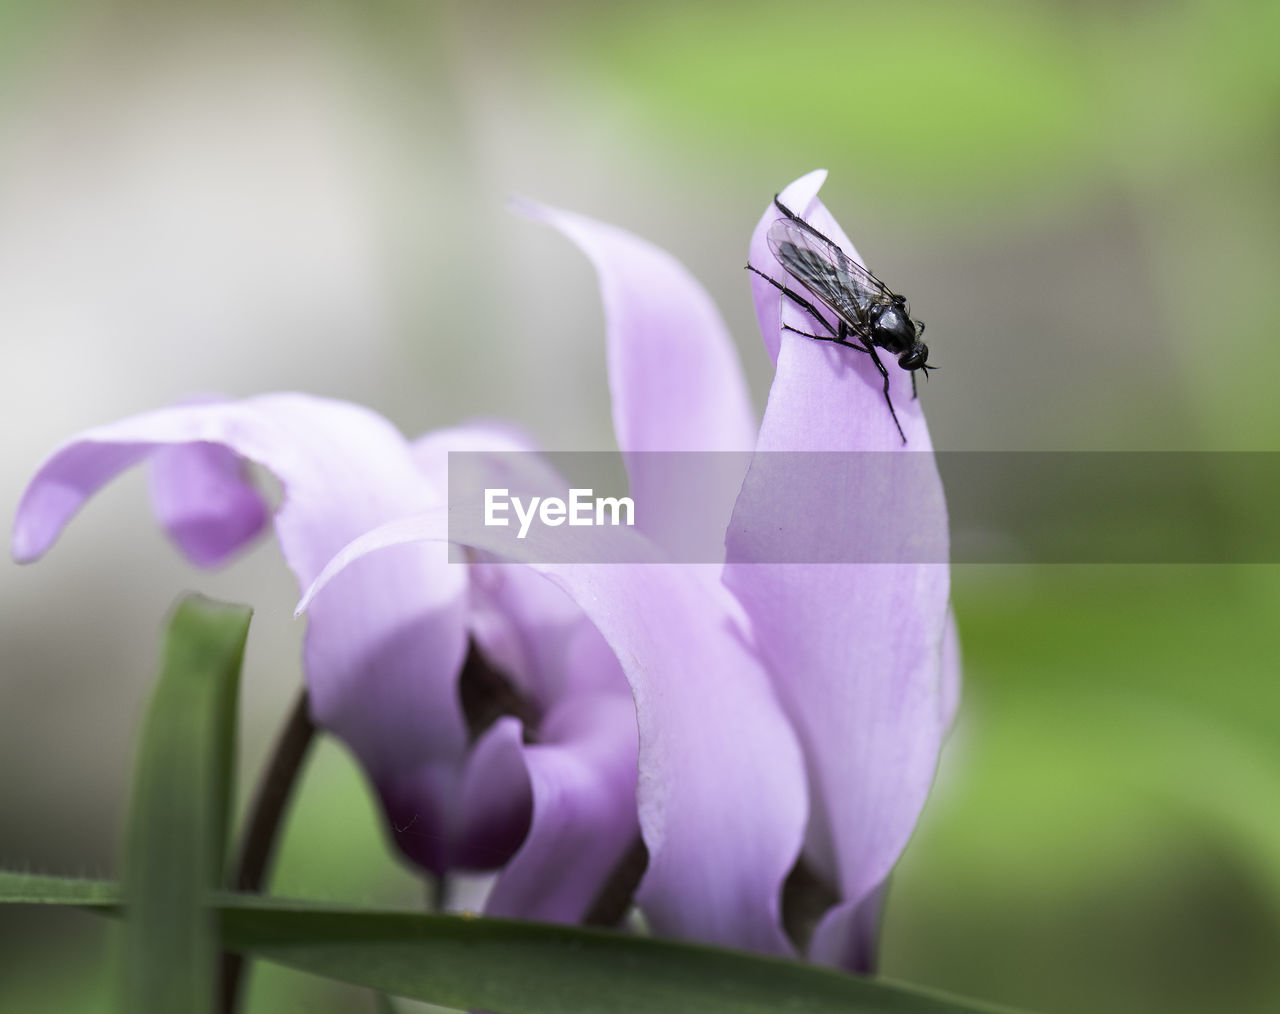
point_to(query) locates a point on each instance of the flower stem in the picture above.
(262, 829)
(438, 893)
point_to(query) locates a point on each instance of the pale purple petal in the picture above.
(849, 935)
(583, 774)
(855, 649)
(566, 801)
(529, 629)
(481, 436)
(204, 498)
(422, 805)
(523, 623)
(567, 807)
(383, 651)
(798, 196)
(721, 788)
(495, 801)
(675, 379)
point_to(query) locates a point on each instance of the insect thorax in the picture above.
(893, 330)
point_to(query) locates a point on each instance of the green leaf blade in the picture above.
(17, 888)
(531, 968)
(383, 1004)
(179, 816)
(518, 967)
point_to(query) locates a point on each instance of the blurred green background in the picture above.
(1079, 197)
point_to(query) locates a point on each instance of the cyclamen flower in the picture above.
(383, 656)
(861, 658)
(787, 711)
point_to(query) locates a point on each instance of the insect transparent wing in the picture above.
(827, 271)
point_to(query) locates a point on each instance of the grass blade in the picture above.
(520, 967)
(530, 968)
(180, 812)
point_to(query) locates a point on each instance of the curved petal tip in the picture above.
(810, 183)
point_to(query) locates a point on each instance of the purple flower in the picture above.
(737, 718)
(861, 659)
(384, 653)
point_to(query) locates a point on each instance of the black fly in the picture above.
(864, 307)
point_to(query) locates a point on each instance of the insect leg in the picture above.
(795, 297)
(842, 336)
(887, 400)
(825, 338)
(806, 334)
(914, 394)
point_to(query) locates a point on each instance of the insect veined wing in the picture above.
(819, 266)
(827, 271)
